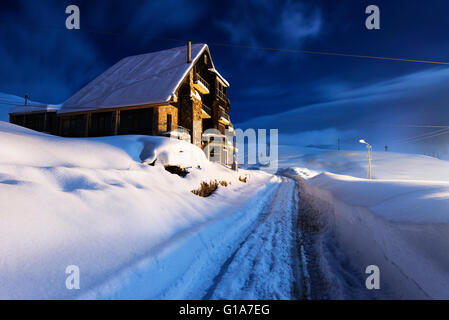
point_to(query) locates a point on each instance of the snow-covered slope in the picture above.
(385, 165)
(399, 221)
(9, 102)
(94, 204)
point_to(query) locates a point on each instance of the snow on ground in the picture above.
(265, 265)
(398, 221)
(92, 203)
(108, 206)
(386, 165)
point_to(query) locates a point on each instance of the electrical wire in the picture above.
(399, 141)
(243, 46)
(424, 137)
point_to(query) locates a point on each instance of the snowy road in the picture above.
(254, 250)
(266, 265)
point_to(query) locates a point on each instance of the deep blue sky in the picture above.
(51, 64)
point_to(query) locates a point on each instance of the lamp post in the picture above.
(368, 146)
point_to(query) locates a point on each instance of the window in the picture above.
(221, 90)
(138, 121)
(73, 126)
(169, 119)
(101, 124)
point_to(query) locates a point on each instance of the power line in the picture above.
(10, 104)
(330, 53)
(243, 46)
(428, 137)
(20, 104)
(424, 135)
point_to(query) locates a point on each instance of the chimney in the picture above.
(26, 99)
(189, 51)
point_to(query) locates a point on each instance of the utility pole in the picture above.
(369, 156)
(369, 160)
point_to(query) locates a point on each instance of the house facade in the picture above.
(159, 93)
(41, 118)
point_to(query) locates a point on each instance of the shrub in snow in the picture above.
(206, 189)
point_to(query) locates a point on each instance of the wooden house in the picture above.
(152, 94)
(41, 118)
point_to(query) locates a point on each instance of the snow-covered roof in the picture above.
(143, 79)
(225, 82)
(35, 108)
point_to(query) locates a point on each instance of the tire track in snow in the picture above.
(267, 263)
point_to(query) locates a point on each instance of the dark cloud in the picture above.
(52, 64)
(372, 112)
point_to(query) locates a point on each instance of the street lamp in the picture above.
(368, 146)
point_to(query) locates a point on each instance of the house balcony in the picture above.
(200, 84)
(222, 95)
(224, 117)
(206, 112)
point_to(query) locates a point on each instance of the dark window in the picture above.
(139, 121)
(221, 90)
(51, 123)
(169, 119)
(73, 126)
(101, 124)
(65, 127)
(35, 121)
(18, 119)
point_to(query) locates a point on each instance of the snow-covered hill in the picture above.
(8, 102)
(93, 203)
(399, 221)
(136, 231)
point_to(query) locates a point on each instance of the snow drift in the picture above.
(92, 203)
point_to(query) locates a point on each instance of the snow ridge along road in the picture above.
(267, 264)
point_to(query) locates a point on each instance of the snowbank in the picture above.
(394, 200)
(93, 203)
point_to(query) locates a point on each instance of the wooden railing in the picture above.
(198, 78)
(226, 116)
(221, 94)
(207, 109)
(223, 114)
